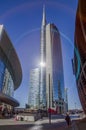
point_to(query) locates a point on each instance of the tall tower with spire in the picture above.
(50, 92)
(43, 61)
(51, 86)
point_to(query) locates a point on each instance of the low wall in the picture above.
(26, 117)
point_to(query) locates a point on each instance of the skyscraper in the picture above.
(54, 67)
(51, 79)
(51, 56)
(43, 61)
(33, 100)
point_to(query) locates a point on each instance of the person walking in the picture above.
(68, 120)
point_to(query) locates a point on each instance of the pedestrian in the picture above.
(68, 120)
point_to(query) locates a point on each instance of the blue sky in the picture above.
(22, 21)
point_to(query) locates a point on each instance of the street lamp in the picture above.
(49, 102)
(75, 107)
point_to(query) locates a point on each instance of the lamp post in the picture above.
(75, 107)
(49, 102)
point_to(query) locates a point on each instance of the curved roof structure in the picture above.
(10, 57)
(8, 100)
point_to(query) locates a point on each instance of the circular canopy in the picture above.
(8, 100)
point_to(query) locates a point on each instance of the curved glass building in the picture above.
(80, 52)
(10, 70)
(54, 68)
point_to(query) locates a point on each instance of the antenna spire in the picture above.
(44, 17)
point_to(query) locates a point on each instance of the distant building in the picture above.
(10, 70)
(33, 100)
(80, 52)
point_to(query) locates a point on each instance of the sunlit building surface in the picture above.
(10, 70)
(47, 83)
(51, 55)
(43, 61)
(54, 67)
(80, 52)
(33, 100)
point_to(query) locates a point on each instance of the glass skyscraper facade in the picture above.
(51, 55)
(10, 71)
(51, 78)
(57, 64)
(8, 85)
(54, 67)
(2, 72)
(33, 100)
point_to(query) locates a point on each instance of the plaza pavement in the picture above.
(42, 124)
(57, 123)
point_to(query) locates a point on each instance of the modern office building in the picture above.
(33, 100)
(51, 96)
(10, 70)
(54, 69)
(80, 52)
(47, 82)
